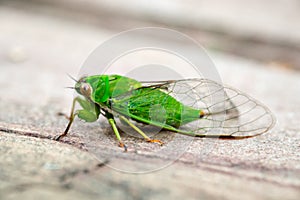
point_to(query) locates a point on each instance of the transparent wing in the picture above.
(227, 112)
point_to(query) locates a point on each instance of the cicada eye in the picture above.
(85, 89)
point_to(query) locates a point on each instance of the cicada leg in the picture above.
(71, 119)
(115, 129)
(147, 138)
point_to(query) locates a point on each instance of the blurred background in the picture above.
(263, 30)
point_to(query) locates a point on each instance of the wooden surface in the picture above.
(36, 52)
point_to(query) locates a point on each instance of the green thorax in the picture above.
(108, 86)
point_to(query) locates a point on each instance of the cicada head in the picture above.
(83, 87)
(94, 87)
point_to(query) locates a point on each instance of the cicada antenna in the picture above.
(70, 87)
(71, 77)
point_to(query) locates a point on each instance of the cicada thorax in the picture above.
(105, 87)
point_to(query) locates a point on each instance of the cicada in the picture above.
(194, 107)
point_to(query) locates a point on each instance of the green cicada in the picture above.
(194, 107)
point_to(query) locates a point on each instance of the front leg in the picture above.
(71, 119)
(89, 113)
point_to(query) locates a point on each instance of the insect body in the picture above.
(195, 107)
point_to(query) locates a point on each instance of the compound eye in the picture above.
(85, 89)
